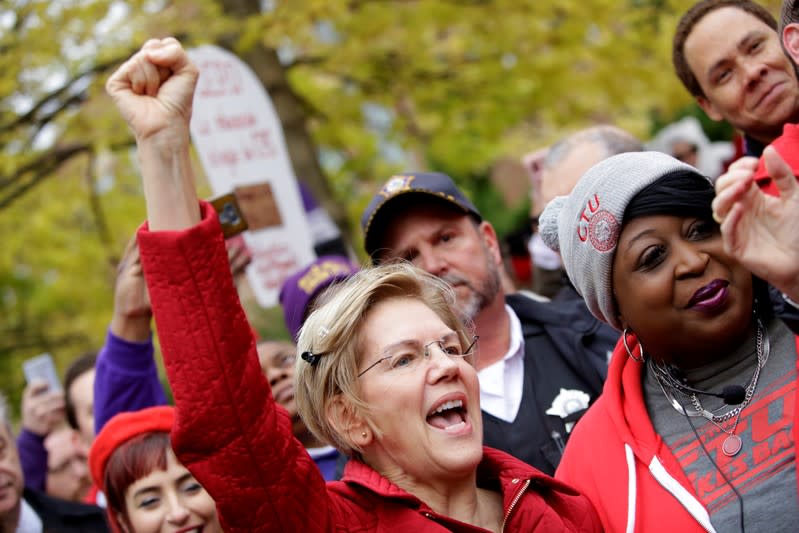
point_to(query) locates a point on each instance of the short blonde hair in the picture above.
(334, 331)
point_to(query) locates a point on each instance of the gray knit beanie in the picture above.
(585, 226)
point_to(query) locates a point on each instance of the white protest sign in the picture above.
(239, 139)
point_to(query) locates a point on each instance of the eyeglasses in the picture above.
(410, 356)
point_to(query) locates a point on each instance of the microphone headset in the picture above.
(741, 521)
(731, 394)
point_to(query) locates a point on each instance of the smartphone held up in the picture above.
(42, 368)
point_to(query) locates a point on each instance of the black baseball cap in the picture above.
(434, 185)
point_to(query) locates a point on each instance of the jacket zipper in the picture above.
(514, 502)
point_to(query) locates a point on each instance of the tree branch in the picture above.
(30, 116)
(97, 206)
(40, 168)
(24, 341)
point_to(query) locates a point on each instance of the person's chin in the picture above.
(777, 109)
(84, 491)
(462, 458)
(462, 441)
(291, 407)
(467, 302)
(8, 499)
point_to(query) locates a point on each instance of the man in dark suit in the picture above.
(25, 511)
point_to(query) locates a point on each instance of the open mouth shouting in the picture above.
(450, 414)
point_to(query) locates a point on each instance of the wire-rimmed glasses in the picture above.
(406, 357)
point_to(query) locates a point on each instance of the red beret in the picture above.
(120, 429)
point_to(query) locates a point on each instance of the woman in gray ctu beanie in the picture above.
(701, 350)
(585, 226)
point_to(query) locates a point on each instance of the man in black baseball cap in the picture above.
(534, 359)
(434, 184)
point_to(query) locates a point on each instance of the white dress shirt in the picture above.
(29, 521)
(501, 382)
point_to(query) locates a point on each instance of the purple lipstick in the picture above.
(710, 297)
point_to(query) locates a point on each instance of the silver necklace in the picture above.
(669, 385)
(732, 443)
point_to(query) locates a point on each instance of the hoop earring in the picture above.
(627, 348)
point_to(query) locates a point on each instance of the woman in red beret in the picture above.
(147, 489)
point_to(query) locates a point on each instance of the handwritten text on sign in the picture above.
(240, 142)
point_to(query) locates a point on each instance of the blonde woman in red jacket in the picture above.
(695, 429)
(385, 372)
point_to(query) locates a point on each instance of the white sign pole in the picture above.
(239, 139)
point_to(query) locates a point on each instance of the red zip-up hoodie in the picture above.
(616, 458)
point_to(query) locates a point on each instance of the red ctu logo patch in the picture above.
(598, 226)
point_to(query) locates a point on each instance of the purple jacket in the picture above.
(126, 379)
(33, 458)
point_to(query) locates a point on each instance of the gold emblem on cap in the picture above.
(396, 184)
(320, 273)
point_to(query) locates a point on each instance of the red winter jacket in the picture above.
(230, 434)
(616, 458)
